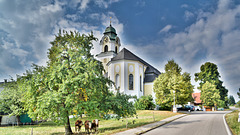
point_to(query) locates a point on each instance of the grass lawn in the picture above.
(232, 120)
(106, 126)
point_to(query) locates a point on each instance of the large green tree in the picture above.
(72, 83)
(173, 81)
(210, 95)
(209, 72)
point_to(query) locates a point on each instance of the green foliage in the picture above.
(144, 103)
(209, 72)
(238, 104)
(210, 95)
(232, 121)
(72, 83)
(231, 100)
(120, 104)
(221, 104)
(172, 81)
(11, 99)
(172, 67)
(238, 93)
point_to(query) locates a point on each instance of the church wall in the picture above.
(122, 68)
(104, 62)
(117, 71)
(114, 69)
(132, 67)
(148, 90)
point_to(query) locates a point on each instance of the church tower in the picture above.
(109, 45)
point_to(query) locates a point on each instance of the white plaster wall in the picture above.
(124, 77)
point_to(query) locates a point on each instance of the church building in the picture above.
(131, 74)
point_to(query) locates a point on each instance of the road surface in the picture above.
(197, 123)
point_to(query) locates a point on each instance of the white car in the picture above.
(198, 108)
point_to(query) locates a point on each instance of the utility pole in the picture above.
(174, 106)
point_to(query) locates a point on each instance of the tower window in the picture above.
(130, 82)
(117, 81)
(106, 48)
(116, 49)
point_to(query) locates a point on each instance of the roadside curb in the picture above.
(145, 128)
(161, 124)
(229, 132)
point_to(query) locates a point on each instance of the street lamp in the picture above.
(174, 106)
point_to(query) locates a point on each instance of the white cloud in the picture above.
(213, 37)
(84, 4)
(184, 6)
(28, 27)
(217, 35)
(188, 15)
(105, 3)
(165, 29)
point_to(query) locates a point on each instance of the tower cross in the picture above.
(110, 20)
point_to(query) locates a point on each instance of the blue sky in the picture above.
(191, 32)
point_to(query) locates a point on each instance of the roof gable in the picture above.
(125, 54)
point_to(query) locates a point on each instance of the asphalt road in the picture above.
(197, 123)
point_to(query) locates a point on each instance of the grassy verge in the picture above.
(232, 120)
(106, 126)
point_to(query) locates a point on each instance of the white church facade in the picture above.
(131, 74)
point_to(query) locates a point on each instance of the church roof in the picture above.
(125, 54)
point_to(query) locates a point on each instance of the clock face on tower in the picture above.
(117, 40)
(106, 39)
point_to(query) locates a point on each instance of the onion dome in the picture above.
(111, 32)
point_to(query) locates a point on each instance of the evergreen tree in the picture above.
(231, 100)
(209, 72)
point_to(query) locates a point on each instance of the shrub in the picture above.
(145, 103)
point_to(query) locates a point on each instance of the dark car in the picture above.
(186, 108)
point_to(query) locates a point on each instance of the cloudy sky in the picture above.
(191, 32)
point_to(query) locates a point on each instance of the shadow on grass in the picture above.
(103, 130)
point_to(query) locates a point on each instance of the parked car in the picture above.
(198, 108)
(186, 108)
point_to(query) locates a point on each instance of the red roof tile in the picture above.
(196, 97)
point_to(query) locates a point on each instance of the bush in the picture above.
(145, 103)
(232, 121)
(238, 104)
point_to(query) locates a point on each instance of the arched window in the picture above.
(117, 81)
(130, 82)
(140, 83)
(116, 49)
(106, 48)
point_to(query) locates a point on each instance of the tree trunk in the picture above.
(18, 120)
(68, 130)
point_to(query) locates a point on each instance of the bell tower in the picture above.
(109, 45)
